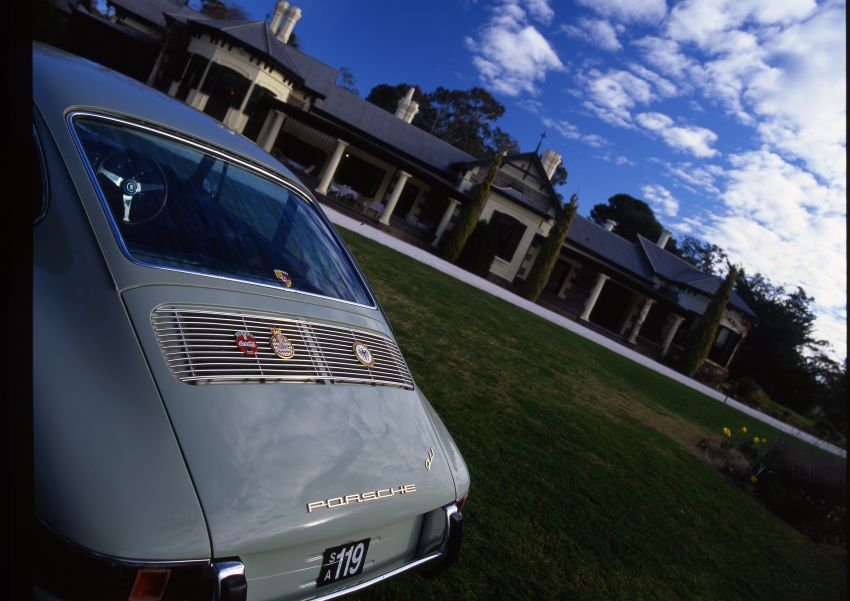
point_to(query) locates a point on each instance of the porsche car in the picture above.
(220, 408)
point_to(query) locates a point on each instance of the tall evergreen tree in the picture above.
(703, 335)
(470, 212)
(549, 253)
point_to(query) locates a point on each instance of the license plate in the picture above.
(344, 561)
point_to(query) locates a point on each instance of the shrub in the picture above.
(759, 400)
(480, 250)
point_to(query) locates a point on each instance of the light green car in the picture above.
(220, 409)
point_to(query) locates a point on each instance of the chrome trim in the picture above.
(45, 195)
(199, 347)
(233, 159)
(367, 583)
(225, 570)
(450, 510)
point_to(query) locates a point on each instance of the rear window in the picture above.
(178, 206)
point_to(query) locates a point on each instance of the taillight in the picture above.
(461, 500)
(150, 585)
(71, 572)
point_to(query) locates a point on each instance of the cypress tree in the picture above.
(470, 212)
(549, 253)
(703, 335)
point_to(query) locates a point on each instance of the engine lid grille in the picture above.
(199, 346)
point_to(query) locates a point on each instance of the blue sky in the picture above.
(727, 116)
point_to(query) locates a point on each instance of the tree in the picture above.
(347, 81)
(703, 335)
(463, 118)
(480, 250)
(560, 175)
(550, 251)
(633, 217)
(470, 212)
(220, 9)
(780, 352)
(704, 256)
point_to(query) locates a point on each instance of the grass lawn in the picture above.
(585, 479)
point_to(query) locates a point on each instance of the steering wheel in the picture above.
(134, 186)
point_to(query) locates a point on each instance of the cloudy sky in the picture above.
(727, 116)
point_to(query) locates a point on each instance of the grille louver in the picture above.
(200, 346)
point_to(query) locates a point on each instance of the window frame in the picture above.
(225, 156)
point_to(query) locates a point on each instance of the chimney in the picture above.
(407, 107)
(663, 238)
(550, 160)
(290, 18)
(610, 224)
(279, 9)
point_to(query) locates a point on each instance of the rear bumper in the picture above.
(68, 572)
(429, 565)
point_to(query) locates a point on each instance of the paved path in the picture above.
(461, 274)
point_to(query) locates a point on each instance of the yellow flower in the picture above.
(727, 432)
(743, 429)
(754, 479)
(763, 440)
(755, 439)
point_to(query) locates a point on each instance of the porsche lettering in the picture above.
(372, 495)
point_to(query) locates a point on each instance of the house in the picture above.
(379, 166)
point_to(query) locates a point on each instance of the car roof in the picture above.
(63, 83)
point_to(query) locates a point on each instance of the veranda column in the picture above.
(444, 222)
(594, 296)
(270, 131)
(671, 333)
(392, 201)
(196, 98)
(647, 305)
(330, 168)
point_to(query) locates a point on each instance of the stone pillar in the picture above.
(156, 66)
(270, 131)
(444, 222)
(594, 296)
(671, 333)
(196, 98)
(330, 169)
(385, 183)
(647, 305)
(403, 176)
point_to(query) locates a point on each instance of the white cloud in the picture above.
(699, 179)
(540, 10)
(664, 87)
(646, 11)
(779, 220)
(598, 32)
(661, 198)
(512, 56)
(571, 132)
(702, 21)
(689, 138)
(612, 95)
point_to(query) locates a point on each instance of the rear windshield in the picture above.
(177, 206)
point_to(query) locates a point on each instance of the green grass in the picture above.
(585, 479)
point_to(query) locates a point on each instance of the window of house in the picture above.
(226, 88)
(191, 76)
(509, 232)
(724, 345)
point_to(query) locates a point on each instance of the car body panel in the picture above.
(108, 473)
(132, 463)
(259, 452)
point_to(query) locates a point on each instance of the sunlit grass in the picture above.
(586, 482)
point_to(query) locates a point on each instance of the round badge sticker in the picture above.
(246, 343)
(364, 355)
(281, 345)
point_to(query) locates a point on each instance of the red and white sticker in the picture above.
(246, 343)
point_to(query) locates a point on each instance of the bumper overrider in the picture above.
(64, 570)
